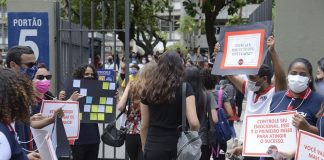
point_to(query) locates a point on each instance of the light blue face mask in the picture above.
(133, 71)
(29, 72)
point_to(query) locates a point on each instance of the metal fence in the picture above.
(77, 44)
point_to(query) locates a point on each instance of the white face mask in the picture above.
(297, 83)
(252, 86)
(150, 59)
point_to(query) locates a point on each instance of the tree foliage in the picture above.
(211, 9)
(144, 27)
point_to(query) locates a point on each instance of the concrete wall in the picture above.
(299, 30)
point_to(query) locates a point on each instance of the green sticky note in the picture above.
(80, 116)
(109, 109)
(101, 116)
(93, 116)
(94, 108)
(105, 85)
(102, 100)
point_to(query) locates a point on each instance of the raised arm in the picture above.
(237, 81)
(279, 73)
(123, 100)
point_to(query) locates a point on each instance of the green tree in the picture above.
(143, 19)
(187, 26)
(211, 9)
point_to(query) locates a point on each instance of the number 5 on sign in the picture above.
(24, 33)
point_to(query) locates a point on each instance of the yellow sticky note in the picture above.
(94, 108)
(93, 116)
(105, 85)
(109, 109)
(101, 116)
(102, 100)
(80, 116)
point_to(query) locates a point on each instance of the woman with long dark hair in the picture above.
(161, 108)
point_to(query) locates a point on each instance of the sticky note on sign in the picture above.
(110, 101)
(93, 116)
(76, 83)
(101, 116)
(105, 85)
(80, 116)
(109, 109)
(112, 86)
(89, 100)
(101, 108)
(86, 108)
(102, 100)
(94, 108)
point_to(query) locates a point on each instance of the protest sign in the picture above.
(98, 102)
(264, 130)
(71, 120)
(310, 146)
(243, 49)
(44, 144)
(106, 75)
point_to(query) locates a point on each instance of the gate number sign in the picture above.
(30, 29)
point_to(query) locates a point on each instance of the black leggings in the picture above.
(160, 155)
(134, 146)
(85, 151)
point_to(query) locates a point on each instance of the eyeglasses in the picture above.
(41, 77)
(29, 64)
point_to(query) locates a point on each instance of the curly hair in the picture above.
(16, 96)
(138, 84)
(162, 84)
(79, 72)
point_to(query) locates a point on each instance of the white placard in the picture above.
(310, 146)
(44, 144)
(243, 50)
(264, 130)
(71, 119)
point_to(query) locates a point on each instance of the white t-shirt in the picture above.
(260, 105)
(5, 150)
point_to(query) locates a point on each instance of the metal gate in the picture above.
(78, 45)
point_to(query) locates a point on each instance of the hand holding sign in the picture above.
(271, 43)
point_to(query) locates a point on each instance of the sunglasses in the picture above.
(41, 77)
(30, 64)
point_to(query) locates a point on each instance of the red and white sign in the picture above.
(310, 146)
(71, 119)
(264, 130)
(243, 49)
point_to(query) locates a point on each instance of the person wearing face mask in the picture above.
(258, 89)
(300, 96)
(87, 146)
(109, 64)
(42, 84)
(150, 57)
(133, 70)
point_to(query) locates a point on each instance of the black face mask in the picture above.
(122, 76)
(110, 60)
(90, 78)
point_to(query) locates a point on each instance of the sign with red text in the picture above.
(264, 130)
(310, 146)
(242, 49)
(71, 120)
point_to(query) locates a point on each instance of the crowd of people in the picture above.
(152, 102)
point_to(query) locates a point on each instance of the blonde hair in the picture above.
(138, 84)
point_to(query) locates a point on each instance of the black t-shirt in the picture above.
(164, 121)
